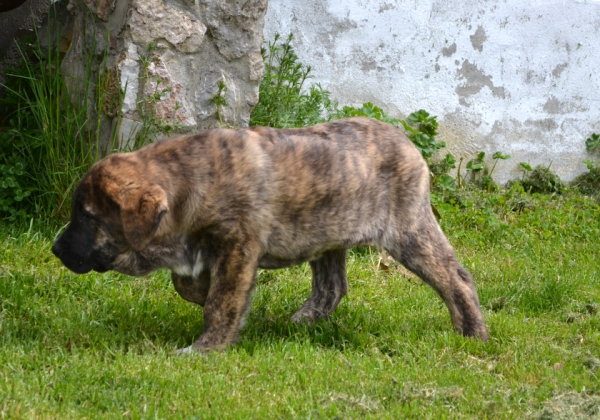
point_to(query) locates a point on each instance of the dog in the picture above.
(216, 206)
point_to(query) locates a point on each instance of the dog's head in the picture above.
(116, 211)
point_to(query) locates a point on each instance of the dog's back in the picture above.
(335, 185)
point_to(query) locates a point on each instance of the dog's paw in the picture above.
(186, 350)
(194, 350)
(307, 316)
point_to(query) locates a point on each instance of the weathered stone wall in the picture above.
(520, 77)
(170, 56)
(167, 56)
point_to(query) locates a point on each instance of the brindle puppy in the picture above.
(216, 206)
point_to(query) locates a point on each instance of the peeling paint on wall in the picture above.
(448, 51)
(520, 77)
(478, 39)
(475, 80)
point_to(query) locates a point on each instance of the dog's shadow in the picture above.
(350, 328)
(154, 315)
(178, 324)
(174, 323)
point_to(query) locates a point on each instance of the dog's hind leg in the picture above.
(329, 286)
(424, 249)
(192, 289)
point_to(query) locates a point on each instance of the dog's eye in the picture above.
(85, 210)
(86, 215)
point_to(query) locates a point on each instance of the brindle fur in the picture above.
(215, 206)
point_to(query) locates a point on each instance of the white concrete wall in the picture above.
(518, 76)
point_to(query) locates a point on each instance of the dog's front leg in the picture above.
(232, 280)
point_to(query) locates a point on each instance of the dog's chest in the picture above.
(189, 267)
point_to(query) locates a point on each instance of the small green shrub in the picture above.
(283, 101)
(479, 173)
(442, 181)
(542, 180)
(589, 183)
(443, 166)
(517, 200)
(368, 110)
(422, 129)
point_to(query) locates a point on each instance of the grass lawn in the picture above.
(102, 345)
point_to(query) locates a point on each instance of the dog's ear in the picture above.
(142, 209)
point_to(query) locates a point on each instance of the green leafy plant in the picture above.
(590, 164)
(369, 110)
(498, 156)
(445, 183)
(219, 99)
(476, 166)
(480, 175)
(592, 142)
(12, 185)
(422, 129)
(589, 183)
(442, 180)
(526, 167)
(283, 99)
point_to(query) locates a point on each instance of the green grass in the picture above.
(101, 345)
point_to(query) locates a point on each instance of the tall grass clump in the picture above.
(541, 180)
(50, 136)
